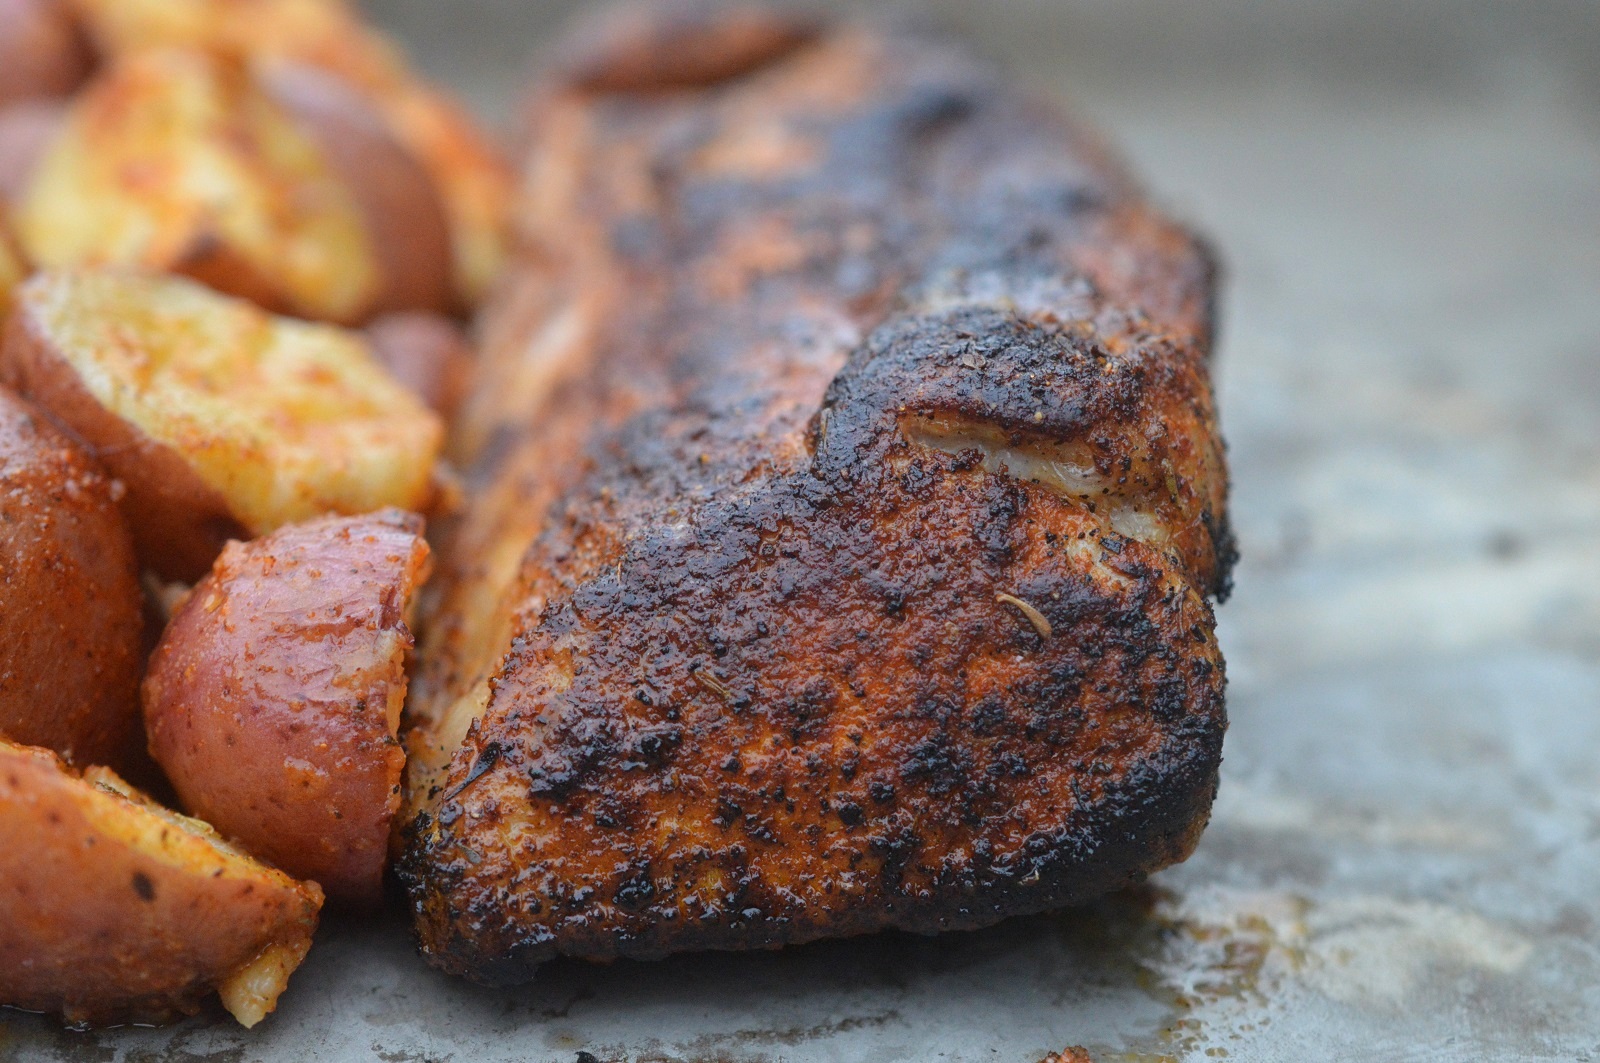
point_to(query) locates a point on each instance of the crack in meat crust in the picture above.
(728, 652)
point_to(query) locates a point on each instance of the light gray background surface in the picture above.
(1405, 858)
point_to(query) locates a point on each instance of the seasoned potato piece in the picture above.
(404, 215)
(472, 177)
(41, 51)
(222, 420)
(427, 353)
(177, 161)
(71, 626)
(114, 910)
(324, 33)
(273, 699)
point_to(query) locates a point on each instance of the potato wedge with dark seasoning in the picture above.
(273, 699)
(222, 420)
(114, 910)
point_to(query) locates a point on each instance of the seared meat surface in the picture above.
(846, 501)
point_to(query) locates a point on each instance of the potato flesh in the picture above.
(251, 993)
(113, 909)
(173, 160)
(285, 420)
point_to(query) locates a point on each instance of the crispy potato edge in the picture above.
(117, 910)
(228, 422)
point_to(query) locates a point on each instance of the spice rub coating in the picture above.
(847, 503)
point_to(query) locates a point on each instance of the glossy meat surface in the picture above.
(846, 501)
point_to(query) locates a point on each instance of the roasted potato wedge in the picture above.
(114, 910)
(404, 214)
(471, 175)
(222, 420)
(429, 354)
(71, 620)
(179, 162)
(324, 33)
(42, 52)
(275, 694)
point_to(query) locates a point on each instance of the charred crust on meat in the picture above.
(863, 346)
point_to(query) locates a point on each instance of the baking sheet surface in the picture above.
(1404, 863)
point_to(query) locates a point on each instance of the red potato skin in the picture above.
(223, 268)
(104, 931)
(42, 51)
(273, 696)
(429, 354)
(404, 214)
(70, 603)
(26, 129)
(180, 523)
